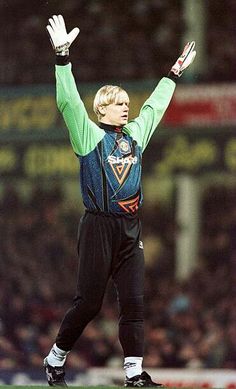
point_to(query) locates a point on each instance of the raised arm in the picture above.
(156, 105)
(84, 134)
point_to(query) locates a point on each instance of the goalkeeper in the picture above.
(109, 243)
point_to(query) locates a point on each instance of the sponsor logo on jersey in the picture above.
(122, 160)
(121, 166)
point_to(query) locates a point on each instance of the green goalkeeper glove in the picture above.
(185, 59)
(59, 38)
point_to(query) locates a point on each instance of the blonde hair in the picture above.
(106, 95)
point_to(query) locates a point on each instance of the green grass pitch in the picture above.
(76, 387)
(72, 387)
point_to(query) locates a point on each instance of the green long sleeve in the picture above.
(151, 113)
(84, 133)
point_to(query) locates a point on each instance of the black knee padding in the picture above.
(87, 308)
(131, 309)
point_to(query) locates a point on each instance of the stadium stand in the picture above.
(147, 35)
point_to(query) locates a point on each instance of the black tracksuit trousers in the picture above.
(108, 246)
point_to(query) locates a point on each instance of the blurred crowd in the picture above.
(129, 41)
(189, 323)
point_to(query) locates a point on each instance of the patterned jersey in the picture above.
(110, 159)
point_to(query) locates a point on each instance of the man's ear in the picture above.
(102, 109)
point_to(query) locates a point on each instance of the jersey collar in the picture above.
(109, 127)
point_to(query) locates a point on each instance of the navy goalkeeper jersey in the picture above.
(110, 175)
(110, 158)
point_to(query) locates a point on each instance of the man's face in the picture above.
(116, 113)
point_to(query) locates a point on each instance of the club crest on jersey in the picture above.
(123, 146)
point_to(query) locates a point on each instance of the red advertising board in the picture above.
(202, 105)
